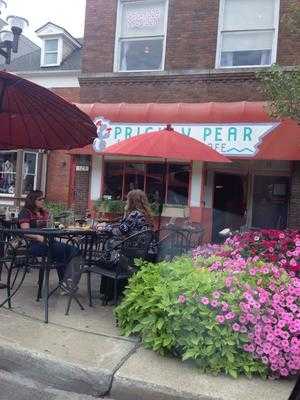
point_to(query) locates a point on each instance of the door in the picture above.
(270, 202)
(229, 203)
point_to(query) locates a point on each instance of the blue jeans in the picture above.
(61, 253)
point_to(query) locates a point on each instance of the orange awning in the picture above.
(283, 143)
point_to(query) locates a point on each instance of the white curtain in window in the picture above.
(249, 14)
(143, 19)
(247, 41)
(124, 50)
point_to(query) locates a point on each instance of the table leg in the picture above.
(46, 293)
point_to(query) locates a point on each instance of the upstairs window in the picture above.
(51, 52)
(248, 31)
(141, 35)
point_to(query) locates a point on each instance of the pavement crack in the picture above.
(120, 364)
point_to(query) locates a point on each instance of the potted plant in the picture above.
(108, 209)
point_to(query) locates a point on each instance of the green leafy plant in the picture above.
(110, 206)
(163, 306)
(280, 86)
(56, 209)
(155, 208)
(282, 89)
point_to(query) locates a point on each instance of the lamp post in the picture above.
(9, 39)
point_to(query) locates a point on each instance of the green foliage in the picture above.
(282, 89)
(151, 309)
(155, 208)
(111, 206)
(56, 209)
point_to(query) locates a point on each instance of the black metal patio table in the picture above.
(77, 237)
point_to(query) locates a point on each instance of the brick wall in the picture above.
(57, 188)
(172, 89)
(294, 216)
(70, 94)
(58, 167)
(99, 35)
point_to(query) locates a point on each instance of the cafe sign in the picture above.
(228, 139)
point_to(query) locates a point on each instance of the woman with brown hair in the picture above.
(137, 218)
(67, 257)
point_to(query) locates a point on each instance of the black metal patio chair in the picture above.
(173, 241)
(14, 257)
(116, 262)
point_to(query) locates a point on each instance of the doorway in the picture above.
(229, 203)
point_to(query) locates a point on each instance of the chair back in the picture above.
(137, 245)
(13, 247)
(171, 243)
(96, 247)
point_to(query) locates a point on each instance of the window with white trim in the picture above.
(29, 172)
(8, 166)
(141, 35)
(50, 52)
(248, 31)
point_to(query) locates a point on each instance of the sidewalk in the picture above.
(84, 353)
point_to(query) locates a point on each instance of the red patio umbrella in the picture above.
(166, 144)
(34, 117)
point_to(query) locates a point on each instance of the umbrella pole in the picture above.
(161, 201)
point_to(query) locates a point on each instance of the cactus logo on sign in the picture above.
(228, 139)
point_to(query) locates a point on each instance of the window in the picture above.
(8, 162)
(134, 177)
(141, 35)
(29, 172)
(50, 52)
(113, 180)
(155, 182)
(120, 178)
(178, 184)
(248, 31)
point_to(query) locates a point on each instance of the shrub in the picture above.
(164, 304)
(229, 315)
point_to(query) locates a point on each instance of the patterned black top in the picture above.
(132, 223)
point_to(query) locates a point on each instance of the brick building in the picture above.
(148, 53)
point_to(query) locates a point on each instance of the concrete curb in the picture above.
(59, 374)
(86, 381)
(129, 389)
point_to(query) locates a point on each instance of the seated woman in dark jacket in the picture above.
(137, 217)
(67, 257)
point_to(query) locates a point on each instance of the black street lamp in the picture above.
(9, 39)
